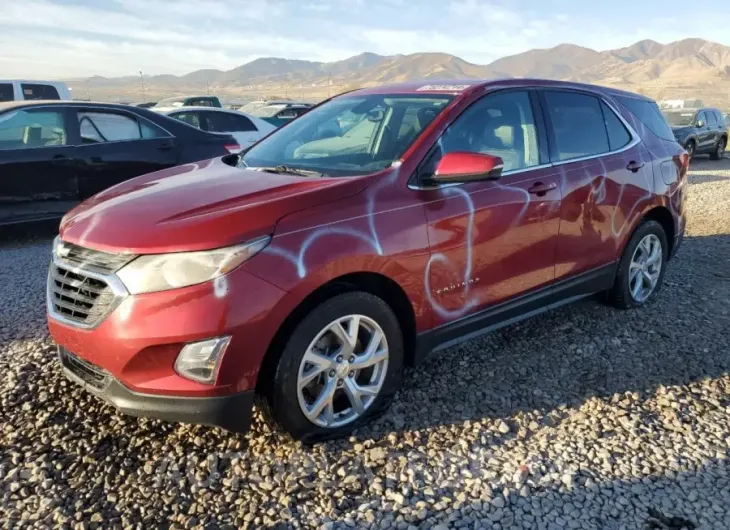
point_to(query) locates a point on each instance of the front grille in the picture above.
(78, 297)
(86, 258)
(89, 373)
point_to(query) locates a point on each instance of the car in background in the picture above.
(311, 269)
(257, 104)
(190, 101)
(147, 105)
(55, 154)
(700, 131)
(19, 90)
(246, 129)
(280, 113)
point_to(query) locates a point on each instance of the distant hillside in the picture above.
(676, 69)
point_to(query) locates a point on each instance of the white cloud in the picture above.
(50, 38)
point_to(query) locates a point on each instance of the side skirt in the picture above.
(514, 310)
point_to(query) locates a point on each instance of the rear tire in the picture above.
(641, 262)
(719, 152)
(331, 372)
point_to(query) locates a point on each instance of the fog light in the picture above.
(200, 361)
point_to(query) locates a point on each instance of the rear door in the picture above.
(239, 126)
(38, 172)
(705, 134)
(115, 146)
(603, 176)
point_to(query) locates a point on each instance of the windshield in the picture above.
(350, 135)
(268, 111)
(171, 102)
(680, 119)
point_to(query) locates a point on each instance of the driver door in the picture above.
(492, 241)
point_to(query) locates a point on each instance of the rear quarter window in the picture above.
(648, 113)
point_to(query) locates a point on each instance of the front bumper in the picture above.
(231, 412)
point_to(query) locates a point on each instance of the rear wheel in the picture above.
(339, 369)
(641, 270)
(690, 148)
(719, 152)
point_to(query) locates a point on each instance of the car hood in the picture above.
(197, 206)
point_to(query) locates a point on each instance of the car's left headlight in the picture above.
(160, 272)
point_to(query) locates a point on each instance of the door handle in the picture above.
(63, 160)
(165, 146)
(540, 189)
(634, 166)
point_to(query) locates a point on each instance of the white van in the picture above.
(19, 90)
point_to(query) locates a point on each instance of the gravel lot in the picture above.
(584, 418)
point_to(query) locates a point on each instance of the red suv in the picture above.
(383, 224)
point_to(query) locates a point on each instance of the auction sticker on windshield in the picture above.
(443, 88)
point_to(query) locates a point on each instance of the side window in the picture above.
(701, 118)
(578, 125)
(500, 124)
(618, 136)
(242, 123)
(218, 122)
(711, 118)
(191, 118)
(649, 114)
(36, 91)
(24, 129)
(98, 127)
(6, 92)
(287, 114)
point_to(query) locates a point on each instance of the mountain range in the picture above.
(686, 67)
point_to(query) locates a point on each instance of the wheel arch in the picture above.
(370, 282)
(661, 215)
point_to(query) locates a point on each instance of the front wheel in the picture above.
(339, 369)
(690, 148)
(641, 270)
(719, 152)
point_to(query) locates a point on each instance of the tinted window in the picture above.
(501, 125)
(618, 136)
(199, 102)
(226, 122)
(578, 125)
(701, 117)
(711, 118)
(287, 114)
(24, 129)
(6, 92)
(649, 114)
(33, 91)
(349, 135)
(111, 127)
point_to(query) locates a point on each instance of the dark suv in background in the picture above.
(699, 131)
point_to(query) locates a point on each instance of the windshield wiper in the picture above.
(289, 171)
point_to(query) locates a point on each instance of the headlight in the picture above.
(159, 272)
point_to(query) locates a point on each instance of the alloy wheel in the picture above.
(342, 371)
(645, 268)
(690, 148)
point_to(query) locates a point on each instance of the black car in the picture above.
(54, 154)
(699, 131)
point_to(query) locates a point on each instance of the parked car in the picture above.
(700, 131)
(245, 129)
(146, 105)
(257, 104)
(190, 101)
(55, 154)
(311, 269)
(23, 90)
(282, 113)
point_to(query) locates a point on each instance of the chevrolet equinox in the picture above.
(384, 224)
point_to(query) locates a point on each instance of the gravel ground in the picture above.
(583, 418)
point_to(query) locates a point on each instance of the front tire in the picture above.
(690, 147)
(719, 152)
(641, 270)
(339, 369)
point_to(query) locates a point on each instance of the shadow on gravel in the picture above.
(705, 170)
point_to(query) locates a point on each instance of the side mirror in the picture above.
(464, 166)
(700, 123)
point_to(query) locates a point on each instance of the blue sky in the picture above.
(70, 38)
